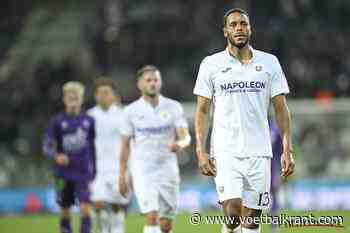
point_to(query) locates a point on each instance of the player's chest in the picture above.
(153, 117)
(252, 78)
(74, 126)
(107, 124)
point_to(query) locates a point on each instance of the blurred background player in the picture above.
(70, 142)
(108, 202)
(241, 82)
(275, 171)
(158, 130)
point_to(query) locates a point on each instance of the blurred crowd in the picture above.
(46, 43)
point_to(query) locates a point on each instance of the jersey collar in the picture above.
(110, 109)
(230, 58)
(161, 99)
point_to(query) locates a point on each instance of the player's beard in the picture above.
(240, 44)
(151, 94)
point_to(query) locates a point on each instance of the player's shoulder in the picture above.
(117, 108)
(170, 102)
(265, 56)
(57, 118)
(215, 62)
(133, 106)
(172, 105)
(215, 58)
(86, 116)
(93, 111)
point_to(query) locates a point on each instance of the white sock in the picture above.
(117, 222)
(151, 229)
(238, 229)
(102, 221)
(247, 230)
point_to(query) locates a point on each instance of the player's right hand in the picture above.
(206, 166)
(123, 186)
(62, 159)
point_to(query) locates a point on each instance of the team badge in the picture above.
(221, 189)
(259, 67)
(64, 124)
(164, 115)
(86, 124)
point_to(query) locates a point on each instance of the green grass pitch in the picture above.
(48, 223)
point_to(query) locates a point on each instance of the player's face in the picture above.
(105, 96)
(237, 29)
(151, 83)
(72, 101)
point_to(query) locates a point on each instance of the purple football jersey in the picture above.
(276, 148)
(74, 136)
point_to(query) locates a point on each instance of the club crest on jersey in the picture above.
(64, 124)
(86, 124)
(164, 115)
(259, 67)
(221, 189)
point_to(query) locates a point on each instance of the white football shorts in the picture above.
(246, 178)
(157, 193)
(106, 188)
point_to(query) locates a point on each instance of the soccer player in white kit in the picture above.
(241, 82)
(158, 130)
(108, 202)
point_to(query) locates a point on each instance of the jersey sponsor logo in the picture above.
(154, 130)
(75, 141)
(242, 86)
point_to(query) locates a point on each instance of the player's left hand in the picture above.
(287, 164)
(174, 147)
(123, 186)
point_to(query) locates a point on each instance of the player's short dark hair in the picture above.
(234, 10)
(103, 81)
(146, 68)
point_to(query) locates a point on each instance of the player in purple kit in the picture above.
(275, 170)
(70, 143)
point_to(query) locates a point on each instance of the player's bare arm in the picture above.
(124, 157)
(183, 140)
(283, 119)
(202, 129)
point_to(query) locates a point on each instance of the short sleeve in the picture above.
(204, 86)
(279, 83)
(180, 119)
(126, 127)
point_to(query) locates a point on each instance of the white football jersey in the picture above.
(241, 95)
(153, 128)
(107, 140)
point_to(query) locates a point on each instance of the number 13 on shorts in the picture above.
(264, 199)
